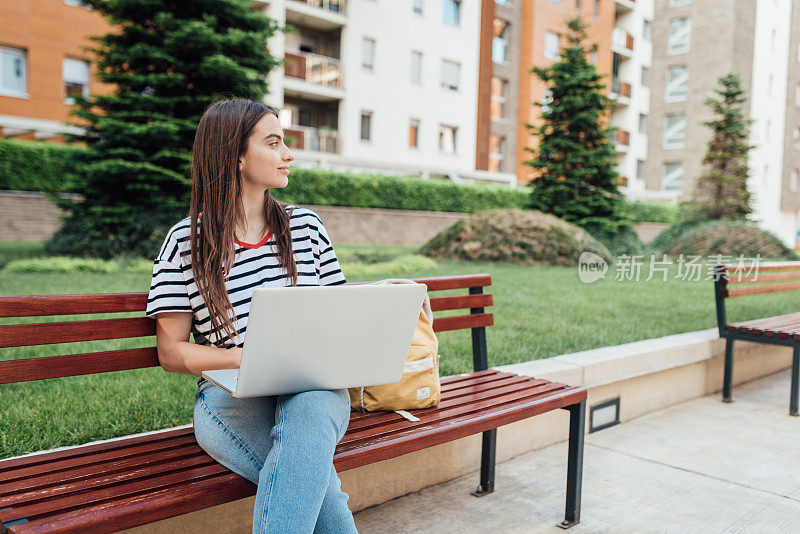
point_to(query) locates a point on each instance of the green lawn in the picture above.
(539, 312)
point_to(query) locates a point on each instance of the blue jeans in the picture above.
(284, 444)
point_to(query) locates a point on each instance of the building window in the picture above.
(642, 123)
(452, 12)
(551, 45)
(794, 179)
(413, 133)
(677, 84)
(417, 7)
(646, 30)
(366, 126)
(502, 2)
(416, 67)
(76, 79)
(596, 8)
(547, 99)
(13, 77)
(450, 74)
(497, 151)
(672, 177)
(639, 169)
(675, 3)
(645, 76)
(577, 5)
(447, 139)
(796, 138)
(497, 107)
(594, 57)
(500, 42)
(674, 131)
(680, 32)
(368, 53)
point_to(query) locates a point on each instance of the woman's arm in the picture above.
(177, 354)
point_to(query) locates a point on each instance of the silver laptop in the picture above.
(324, 337)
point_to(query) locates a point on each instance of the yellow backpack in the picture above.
(419, 386)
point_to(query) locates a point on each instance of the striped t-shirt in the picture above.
(255, 265)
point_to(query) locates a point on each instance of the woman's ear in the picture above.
(240, 164)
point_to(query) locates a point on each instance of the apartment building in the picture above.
(381, 86)
(43, 65)
(543, 25)
(631, 61)
(694, 43)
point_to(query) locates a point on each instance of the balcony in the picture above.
(313, 76)
(322, 15)
(620, 92)
(621, 140)
(313, 139)
(624, 6)
(622, 42)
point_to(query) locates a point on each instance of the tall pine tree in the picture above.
(168, 60)
(575, 177)
(721, 191)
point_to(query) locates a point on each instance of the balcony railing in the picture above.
(622, 39)
(620, 88)
(314, 68)
(336, 6)
(316, 139)
(620, 138)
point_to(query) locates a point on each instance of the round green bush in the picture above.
(514, 236)
(731, 238)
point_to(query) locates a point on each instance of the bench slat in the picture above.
(758, 290)
(57, 497)
(447, 411)
(44, 458)
(439, 283)
(378, 425)
(465, 302)
(758, 278)
(443, 324)
(758, 326)
(448, 398)
(77, 364)
(40, 305)
(114, 515)
(22, 335)
(420, 438)
(56, 468)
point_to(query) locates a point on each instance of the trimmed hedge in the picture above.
(36, 166)
(638, 211)
(326, 188)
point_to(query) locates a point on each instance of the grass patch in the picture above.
(539, 312)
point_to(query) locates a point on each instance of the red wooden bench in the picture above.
(122, 483)
(779, 330)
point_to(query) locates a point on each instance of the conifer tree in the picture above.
(167, 61)
(721, 191)
(575, 177)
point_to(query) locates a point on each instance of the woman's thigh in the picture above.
(235, 432)
(311, 413)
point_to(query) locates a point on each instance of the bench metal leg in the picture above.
(488, 450)
(577, 424)
(795, 381)
(728, 381)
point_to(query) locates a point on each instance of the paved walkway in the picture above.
(701, 466)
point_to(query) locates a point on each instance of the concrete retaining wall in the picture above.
(646, 375)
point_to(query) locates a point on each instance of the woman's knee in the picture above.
(319, 407)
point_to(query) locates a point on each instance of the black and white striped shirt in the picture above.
(255, 265)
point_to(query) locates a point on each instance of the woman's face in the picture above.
(266, 161)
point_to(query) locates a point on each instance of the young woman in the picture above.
(238, 238)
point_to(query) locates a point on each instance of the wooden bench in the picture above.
(779, 330)
(132, 481)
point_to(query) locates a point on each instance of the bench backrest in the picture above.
(25, 335)
(757, 279)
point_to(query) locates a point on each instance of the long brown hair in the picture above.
(220, 141)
